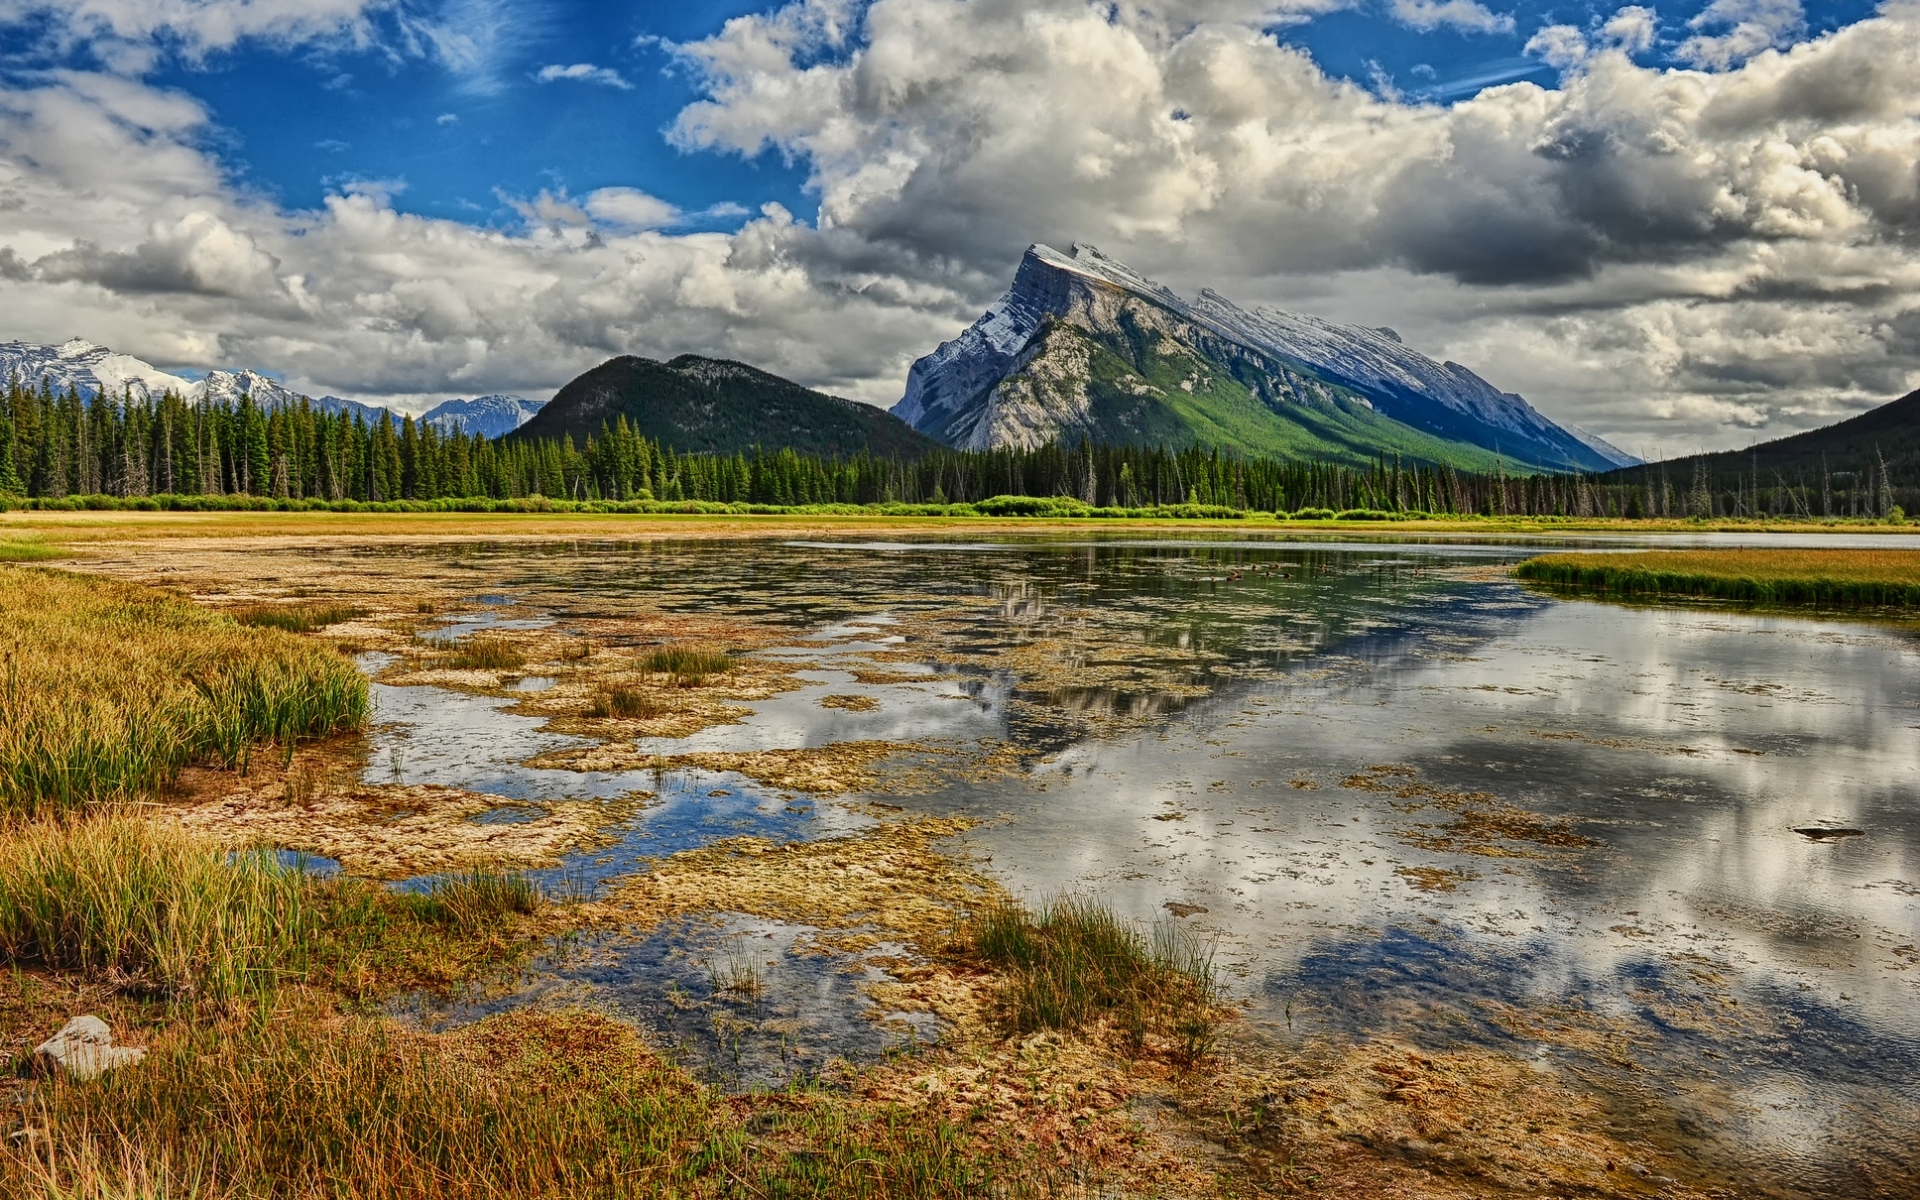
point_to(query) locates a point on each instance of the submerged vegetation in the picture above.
(1818, 578)
(109, 689)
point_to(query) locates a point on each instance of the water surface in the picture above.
(1283, 739)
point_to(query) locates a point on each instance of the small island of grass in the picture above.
(1811, 578)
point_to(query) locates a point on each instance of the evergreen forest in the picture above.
(62, 448)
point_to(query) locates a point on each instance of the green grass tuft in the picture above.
(122, 898)
(481, 652)
(1075, 961)
(476, 899)
(296, 618)
(109, 689)
(684, 661)
(628, 703)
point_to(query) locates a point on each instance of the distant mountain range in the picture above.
(1081, 345)
(708, 404)
(92, 369)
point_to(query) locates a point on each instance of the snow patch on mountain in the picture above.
(948, 390)
(489, 416)
(94, 370)
(90, 368)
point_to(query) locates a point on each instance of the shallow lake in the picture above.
(1406, 796)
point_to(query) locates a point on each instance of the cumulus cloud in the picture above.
(1469, 16)
(1730, 32)
(1659, 255)
(583, 73)
(1633, 29)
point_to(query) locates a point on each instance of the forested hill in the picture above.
(706, 405)
(1859, 467)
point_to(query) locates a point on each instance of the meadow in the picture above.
(1813, 578)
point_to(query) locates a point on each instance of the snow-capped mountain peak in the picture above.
(489, 416)
(958, 386)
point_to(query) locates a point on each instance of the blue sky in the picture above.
(300, 122)
(1692, 223)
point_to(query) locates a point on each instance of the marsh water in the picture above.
(1406, 796)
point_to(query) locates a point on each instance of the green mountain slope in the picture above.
(706, 404)
(1149, 379)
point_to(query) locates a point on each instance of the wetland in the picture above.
(1493, 888)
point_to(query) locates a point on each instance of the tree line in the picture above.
(62, 444)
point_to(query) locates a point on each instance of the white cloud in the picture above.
(1468, 16)
(1633, 29)
(127, 34)
(584, 73)
(1561, 46)
(447, 119)
(630, 208)
(1745, 28)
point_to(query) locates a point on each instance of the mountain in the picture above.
(1083, 345)
(489, 416)
(1846, 455)
(93, 370)
(90, 368)
(708, 404)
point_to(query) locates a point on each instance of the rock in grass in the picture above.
(83, 1049)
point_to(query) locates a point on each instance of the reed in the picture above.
(1075, 960)
(1811, 578)
(296, 618)
(119, 897)
(526, 1104)
(109, 689)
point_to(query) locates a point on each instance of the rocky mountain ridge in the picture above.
(1017, 378)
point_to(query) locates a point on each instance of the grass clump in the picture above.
(1815, 578)
(118, 897)
(296, 618)
(477, 898)
(109, 689)
(688, 664)
(481, 652)
(629, 703)
(1075, 961)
